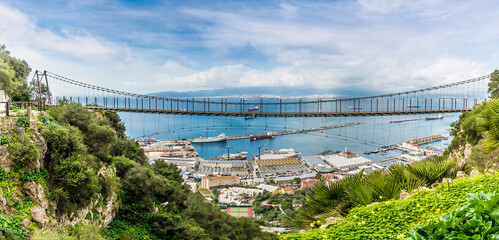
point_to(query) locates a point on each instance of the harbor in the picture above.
(222, 136)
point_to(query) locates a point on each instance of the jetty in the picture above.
(300, 130)
(434, 138)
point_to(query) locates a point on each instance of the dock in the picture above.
(300, 130)
(429, 139)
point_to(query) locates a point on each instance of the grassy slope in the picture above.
(392, 219)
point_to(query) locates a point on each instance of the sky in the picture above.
(152, 46)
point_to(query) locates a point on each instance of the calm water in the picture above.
(375, 131)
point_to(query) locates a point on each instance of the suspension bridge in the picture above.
(386, 119)
(459, 96)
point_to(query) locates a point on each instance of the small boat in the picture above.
(249, 117)
(396, 121)
(412, 106)
(201, 139)
(281, 154)
(262, 136)
(355, 108)
(253, 109)
(435, 117)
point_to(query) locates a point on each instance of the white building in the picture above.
(346, 160)
(3, 98)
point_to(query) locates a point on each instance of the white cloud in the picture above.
(376, 45)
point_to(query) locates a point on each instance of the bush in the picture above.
(27, 201)
(23, 122)
(392, 219)
(478, 219)
(4, 140)
(10, 228)
(76, 182)
(79, 231)
(62, 142)
(25, 152)
(3, 174)
(33, 175)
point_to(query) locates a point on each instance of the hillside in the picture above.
(69, 173)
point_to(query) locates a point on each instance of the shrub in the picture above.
(33, 175)
(62, 141)
(3, 174)
(17, 205)
(42, 119)
(24, 152)
(10, 228)
(478, 219)
(392, 219)
(4, 140)
(76, 182)
(27, 201)
(23, 122)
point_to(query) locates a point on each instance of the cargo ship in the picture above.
(435, 117)
(355, 108)
(262, 136)
(281, 154)
(201, 139)
(253, 109)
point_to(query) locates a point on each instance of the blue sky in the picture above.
(151, 46)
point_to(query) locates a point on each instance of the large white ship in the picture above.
(283, 153)
(201, 139)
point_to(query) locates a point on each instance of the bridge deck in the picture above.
(280, 114)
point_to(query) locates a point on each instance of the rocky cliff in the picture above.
(25, 184)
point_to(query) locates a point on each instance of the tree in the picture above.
(13, 76)
(494, 84)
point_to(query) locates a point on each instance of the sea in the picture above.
(375, 131)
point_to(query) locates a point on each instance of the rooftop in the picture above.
(340, 161)
(221, 177)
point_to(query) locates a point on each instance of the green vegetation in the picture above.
(13, 76)
(266, 206)
(394, 218)
(480, 128)
(79, 231)
(378, 186)
(494, 84)
(4, 140)
(478, 219)
(23, 122)
(25, 151)
(155, 204)
(9, 228)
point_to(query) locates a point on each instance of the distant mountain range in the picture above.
(271, 92)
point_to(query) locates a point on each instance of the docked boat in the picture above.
(235, 156)
(396, 121)
(435, 117)
(249, 117)
(201, 139)
(328, 152)
(262, 136)
(253, 109)
(412, 106)
(281, 154)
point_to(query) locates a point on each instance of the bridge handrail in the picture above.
(82, 84)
